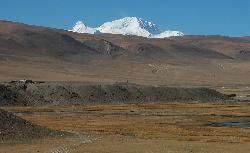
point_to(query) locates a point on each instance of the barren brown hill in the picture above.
(230, 46)
(41, 53)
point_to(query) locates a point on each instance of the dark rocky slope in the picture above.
(80, 93)
(15, 129)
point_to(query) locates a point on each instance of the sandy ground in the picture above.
(138, 128)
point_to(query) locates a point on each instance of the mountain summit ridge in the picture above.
(127, 26)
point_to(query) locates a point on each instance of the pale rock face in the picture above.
(127, 26)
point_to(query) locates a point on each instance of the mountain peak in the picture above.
(130, 26)
(140, 21)
(80, 23)
(135, 20)
(127, 26)
(80, 27)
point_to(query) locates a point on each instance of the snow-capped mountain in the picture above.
(130, 26)
(80, 27)
(168, 34)
(127, 26)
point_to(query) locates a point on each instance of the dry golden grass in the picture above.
(152, 127)
(177, 121)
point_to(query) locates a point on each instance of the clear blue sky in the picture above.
(209, 17)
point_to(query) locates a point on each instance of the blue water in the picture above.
(230, 124)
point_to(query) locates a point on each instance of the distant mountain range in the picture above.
(44, 53)
(127, 26)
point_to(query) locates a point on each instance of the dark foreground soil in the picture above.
(16, 129)
(80, 93)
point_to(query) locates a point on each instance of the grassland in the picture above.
(156, 127)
